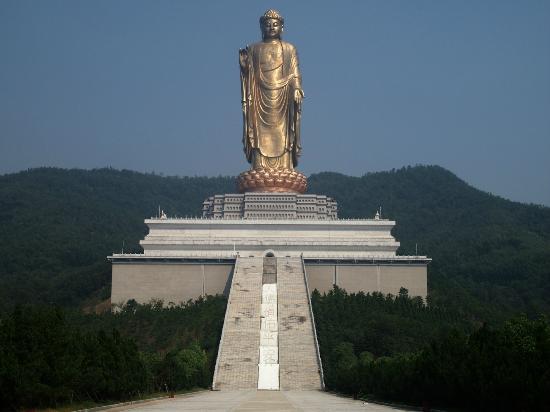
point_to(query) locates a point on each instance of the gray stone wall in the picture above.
(179, 282)
(170, 282)
(384, 278)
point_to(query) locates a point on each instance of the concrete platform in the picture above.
(260, 401)
(311, 238)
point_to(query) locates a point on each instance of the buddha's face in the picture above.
(271, 29)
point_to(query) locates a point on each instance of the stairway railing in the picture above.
(225, 323)
(318, 352)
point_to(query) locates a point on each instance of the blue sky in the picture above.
(154, 86)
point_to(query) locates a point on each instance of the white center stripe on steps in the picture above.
(268, 366)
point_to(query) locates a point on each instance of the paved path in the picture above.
(251, 400)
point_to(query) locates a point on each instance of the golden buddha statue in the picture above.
(272, 104)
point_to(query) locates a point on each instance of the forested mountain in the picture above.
(491, 261)
(59, 225)
(491, 256)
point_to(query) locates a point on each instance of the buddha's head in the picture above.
(271, 24)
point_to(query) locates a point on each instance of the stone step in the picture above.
(238, 355)
(299, 367)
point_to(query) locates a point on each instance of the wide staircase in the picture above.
(299, 365)
(239, 359)
(238, 355)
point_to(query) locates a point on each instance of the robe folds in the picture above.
(271, 133)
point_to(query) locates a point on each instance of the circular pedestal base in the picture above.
(265, 180)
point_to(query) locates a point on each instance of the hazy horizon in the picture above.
(154, 86)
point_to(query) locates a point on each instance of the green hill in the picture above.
(491, 256)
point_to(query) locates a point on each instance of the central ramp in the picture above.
(268, 368)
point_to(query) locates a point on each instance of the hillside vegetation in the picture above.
(54, 357)
(491, 256)
(60, 225)
(396, 349)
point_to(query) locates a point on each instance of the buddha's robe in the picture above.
(271, 136)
